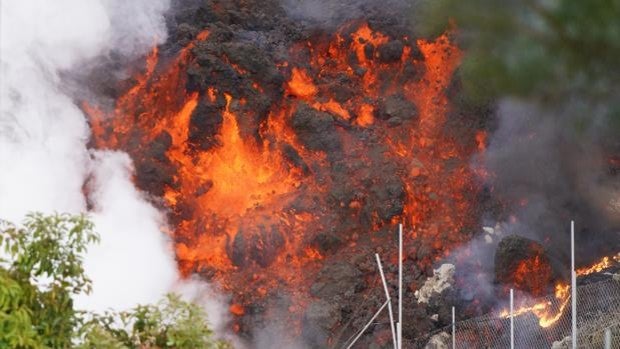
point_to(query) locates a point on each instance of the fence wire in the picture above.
(598, 308)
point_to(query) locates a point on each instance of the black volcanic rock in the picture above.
(315, 129)
(258, 62)
(390, 199)
(391, 51)
(204, 125)
(258, 244)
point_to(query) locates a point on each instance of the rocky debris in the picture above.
(339, 280)
(391, 199)
(442, 279)
(565, 343)
(315, 129)
(255, 61)
(439, 341)
(397, 107)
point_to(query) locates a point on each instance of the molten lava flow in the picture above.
(549, 312)
(356, 140)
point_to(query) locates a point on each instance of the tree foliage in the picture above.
(172, 323)
(41, 271)
(549, 50)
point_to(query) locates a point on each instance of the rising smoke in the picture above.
(43, 139)
(330, 13)
(552, 163)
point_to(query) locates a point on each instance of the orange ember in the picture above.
(237, 309)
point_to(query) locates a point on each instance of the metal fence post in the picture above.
(608, 338)
(453, 330)
(512, 320)
(573, 286)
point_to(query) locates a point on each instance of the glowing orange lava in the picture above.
(246, 209)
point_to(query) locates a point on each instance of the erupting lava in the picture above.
(549, 312)
(354, 139)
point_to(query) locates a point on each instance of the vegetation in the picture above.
(544, 51)
(41, 271)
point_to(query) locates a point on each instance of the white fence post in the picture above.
(512, 320)
(573, 277)
(387, 296)
(400, 286)
(360, 333)
(453, 330)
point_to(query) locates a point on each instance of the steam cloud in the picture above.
(43, 139)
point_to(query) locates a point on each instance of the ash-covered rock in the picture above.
(439, 341)
(565, 343)
(441, 280)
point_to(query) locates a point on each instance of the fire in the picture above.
(301, 85)
(248, 194)
(549, 312)
(603, 264)
(533, 275)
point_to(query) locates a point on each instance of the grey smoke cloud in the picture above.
(557, 171)
(336, 12)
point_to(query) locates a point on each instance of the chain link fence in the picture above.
(598, 308)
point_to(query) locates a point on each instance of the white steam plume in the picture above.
(134, 261)
(44, 160)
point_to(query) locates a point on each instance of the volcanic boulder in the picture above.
(524, 264)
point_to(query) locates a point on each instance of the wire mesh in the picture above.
(598, 308)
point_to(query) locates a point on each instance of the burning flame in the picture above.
(549, 312)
